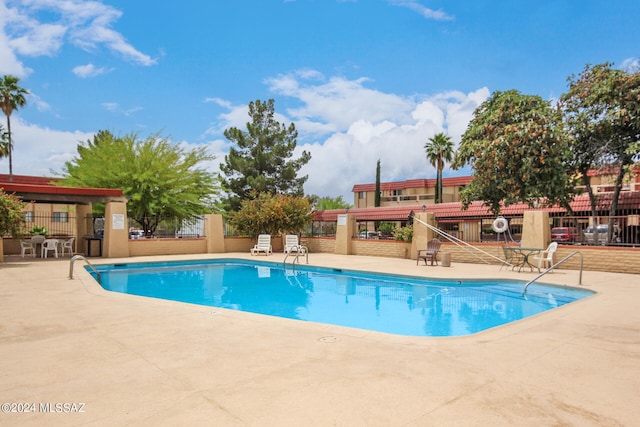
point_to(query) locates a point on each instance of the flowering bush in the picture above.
(11, 219)
(404, 234)
(272, 214)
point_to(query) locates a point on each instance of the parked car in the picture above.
(566, 235)
(136, 234)
(368, 235)
(603, 235)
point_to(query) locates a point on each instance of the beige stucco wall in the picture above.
(238, 244)
(344, 232)
(215, 233)
(383, 248)
(421, 233)
(116, 231)
(320, 244)
(82, 212)
(144, 247)
(536, 232)
(615, 260)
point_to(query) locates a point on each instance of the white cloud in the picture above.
(221, 102)
(336, 103)
(88, 70)
(39, 39)
(414, 5)
(39, 151)
(114, 107)
(110, 106)
(631, 65)
(347, 127)
(41, 27)
(237, 116)
(39, 103)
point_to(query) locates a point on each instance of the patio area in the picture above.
(138, 361)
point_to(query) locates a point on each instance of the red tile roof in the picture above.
(413, 183)
(26, 179)
(635, 168)
(25, 185)
(453, 210)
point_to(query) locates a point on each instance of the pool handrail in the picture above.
(81, 257)
(562, 261)
(299, 250)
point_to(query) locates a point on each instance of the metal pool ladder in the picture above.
(77, 257)
(297, 257)
(562, 261)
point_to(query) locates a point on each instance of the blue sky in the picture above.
(362, 80)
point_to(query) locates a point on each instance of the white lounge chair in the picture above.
(263, 245)
(292, 244)
(545, 259)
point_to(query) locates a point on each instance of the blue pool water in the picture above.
(402, 305)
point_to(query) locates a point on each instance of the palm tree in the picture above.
(4, 142)
(12, 97)
(439, 149)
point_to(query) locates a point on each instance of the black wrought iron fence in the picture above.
(166, 228)
(169, 228)
(58, 224)
(621, 230)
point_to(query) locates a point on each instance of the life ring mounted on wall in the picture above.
(500, 225)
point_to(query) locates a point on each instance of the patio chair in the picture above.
(431, 253)
(27, 246)
(545, 259)
(263, 245)
(292, 244)
(68, 246)
(513, 256)
(49, 245)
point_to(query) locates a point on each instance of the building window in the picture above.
(362, 195)
(28, 216)
(397, 192)
(60, 217)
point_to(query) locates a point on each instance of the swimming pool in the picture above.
(402, 305)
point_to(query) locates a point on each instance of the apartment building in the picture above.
(409, 192)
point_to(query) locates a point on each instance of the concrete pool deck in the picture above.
(138, 361)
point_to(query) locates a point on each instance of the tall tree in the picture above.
(439, 149)
(12, 97)
(160, 179)
(326, 203)
(518, 150)
(376, 200)
(261, 160)
(601, 110)
(4, 142)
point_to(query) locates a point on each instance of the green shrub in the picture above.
(387, 228)
(42, 230)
